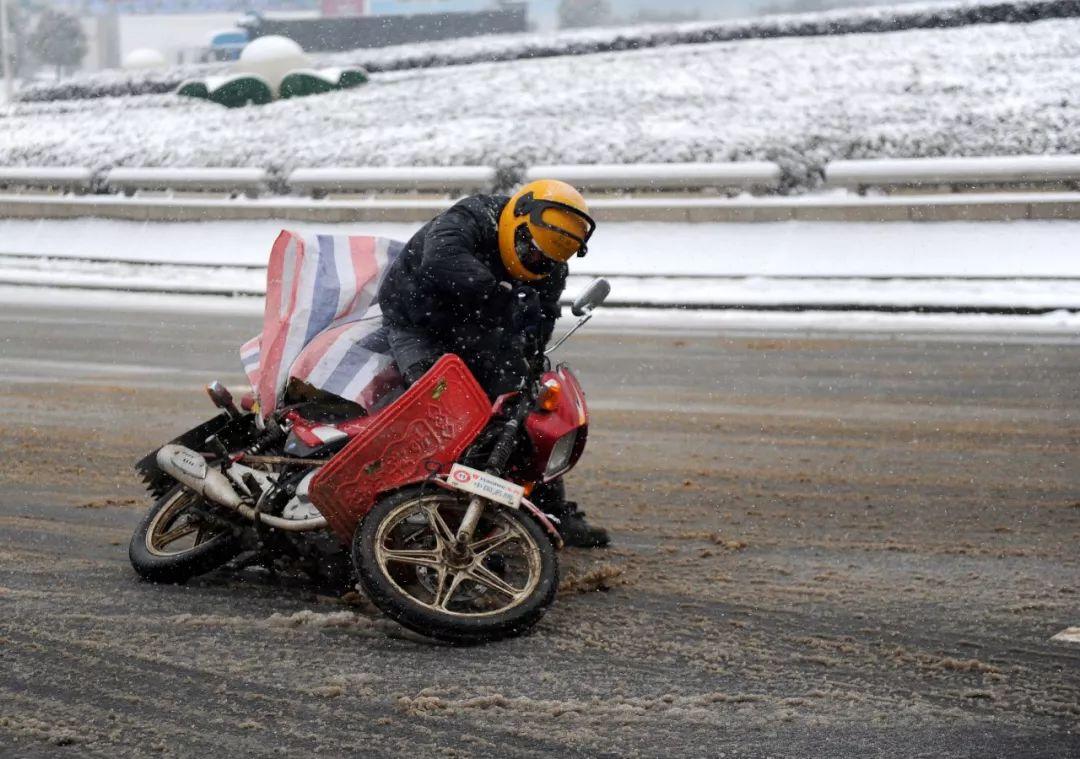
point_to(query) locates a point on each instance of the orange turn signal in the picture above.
(550, 392)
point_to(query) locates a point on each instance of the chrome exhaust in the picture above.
(190, 469)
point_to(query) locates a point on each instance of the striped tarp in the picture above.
(319, 318)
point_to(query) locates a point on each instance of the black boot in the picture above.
(576, 531)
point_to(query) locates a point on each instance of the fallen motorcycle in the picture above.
(427, 496)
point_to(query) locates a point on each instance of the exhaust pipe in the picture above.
(191, 470)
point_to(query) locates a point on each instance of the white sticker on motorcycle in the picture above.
(488, 486)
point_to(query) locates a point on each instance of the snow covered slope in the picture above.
(977, 90)
(507, 47)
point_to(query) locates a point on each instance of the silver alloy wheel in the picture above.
(499, 570)
(172, 532)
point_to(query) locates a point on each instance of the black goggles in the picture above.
(528, 205)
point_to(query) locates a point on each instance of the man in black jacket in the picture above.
(483, 280)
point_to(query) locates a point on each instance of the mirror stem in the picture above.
(581, 323)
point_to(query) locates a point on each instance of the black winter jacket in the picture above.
(446, 280)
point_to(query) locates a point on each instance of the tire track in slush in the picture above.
(230, 704)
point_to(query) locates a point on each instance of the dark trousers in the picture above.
(550, 498)
(490, 356)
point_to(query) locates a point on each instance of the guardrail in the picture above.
(65, 179)
(249, 181)
(449, 180)
(744, 175)
(956, 174)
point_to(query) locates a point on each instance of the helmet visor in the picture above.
(529, 206)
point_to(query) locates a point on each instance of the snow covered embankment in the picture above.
(1006, 89)
(496, 48)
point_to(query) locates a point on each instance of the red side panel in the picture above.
(424, 430)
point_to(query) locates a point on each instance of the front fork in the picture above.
(469, 522)
(496, 465)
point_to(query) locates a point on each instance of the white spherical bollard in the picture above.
(272, 57)
(145, 58)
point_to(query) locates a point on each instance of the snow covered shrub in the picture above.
(117, 83)
(307, 82)
(234, 91)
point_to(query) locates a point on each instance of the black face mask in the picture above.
(531, 257)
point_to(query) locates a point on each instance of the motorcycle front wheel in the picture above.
(498, 587)
(173, 543)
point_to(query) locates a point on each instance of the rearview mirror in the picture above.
(593, 295)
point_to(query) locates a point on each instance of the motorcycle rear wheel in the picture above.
(171, 545)
(499, 588)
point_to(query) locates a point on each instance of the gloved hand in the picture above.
(509, 367)
(527, 315)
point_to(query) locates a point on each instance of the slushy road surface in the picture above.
(823, 546)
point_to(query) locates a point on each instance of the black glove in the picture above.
(528, 315)
(508, 367)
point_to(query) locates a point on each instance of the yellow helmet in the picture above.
(545, 224)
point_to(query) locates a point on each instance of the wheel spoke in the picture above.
(486, 577)
(417, 557)
(443, 534)
(171, 536)
(442, 600)
(439, 587)
(486, 545)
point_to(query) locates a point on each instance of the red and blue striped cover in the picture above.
(320, 305)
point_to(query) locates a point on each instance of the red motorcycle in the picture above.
(430, 494)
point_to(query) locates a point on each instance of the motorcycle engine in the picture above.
(300, 506)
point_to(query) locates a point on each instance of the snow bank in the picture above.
(1023, 249)
(599, 40)
(1058, 327)
(699, 292)
(995, 267)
